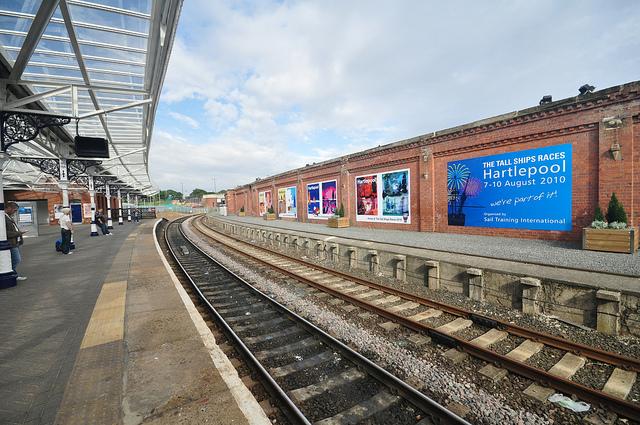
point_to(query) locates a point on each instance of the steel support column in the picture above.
(108, 194)
(120, 223)
(128, 207)
(92, 195)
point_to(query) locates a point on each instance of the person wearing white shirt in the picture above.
(66, 228)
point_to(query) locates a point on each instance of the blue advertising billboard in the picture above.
(528, 189)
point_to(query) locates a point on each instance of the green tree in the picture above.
(170, 194)
(616, 211)
(599, 216)
(197, 193)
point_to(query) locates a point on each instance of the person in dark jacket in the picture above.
(14, 236)
(101, 221)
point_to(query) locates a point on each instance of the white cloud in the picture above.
(185, 119)
(272, 75)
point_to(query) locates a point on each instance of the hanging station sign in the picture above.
(287, 202)
(384, 197)
(322, 199)
(528, 189)
(264, 202)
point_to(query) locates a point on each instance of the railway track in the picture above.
(415, 313)
(312, 377)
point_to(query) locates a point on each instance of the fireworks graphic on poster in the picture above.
(457, 176)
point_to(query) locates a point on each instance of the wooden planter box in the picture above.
(241, 214)
(338, 222)
(268, 216)
(610, 240)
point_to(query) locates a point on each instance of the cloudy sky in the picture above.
(259, 87)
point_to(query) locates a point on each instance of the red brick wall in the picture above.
(578, 121)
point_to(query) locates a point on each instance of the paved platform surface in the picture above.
(553, 254)
(102, 337)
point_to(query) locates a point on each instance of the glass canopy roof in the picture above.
(100, 62)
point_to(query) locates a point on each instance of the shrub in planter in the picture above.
(616, 211)
(270, 215)
(614, 236)
(241, 213)
(338, 220)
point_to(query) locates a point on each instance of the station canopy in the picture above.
(100, 63)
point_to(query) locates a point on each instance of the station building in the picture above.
(535, 173)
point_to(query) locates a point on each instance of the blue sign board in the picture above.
(528, 189)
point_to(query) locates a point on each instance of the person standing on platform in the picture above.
(14, 236)
(101, 221)
(66, 228)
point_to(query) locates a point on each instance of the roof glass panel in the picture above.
(45, 70)
(54, 46)
(131, 97)
(12, 23)
(56, 29)
(54, 59)
(134, 81)
(11, 40)
(109, 37)
(24, 6)
(108, 18)
(111, 66)
(140, 6)
(106, 53)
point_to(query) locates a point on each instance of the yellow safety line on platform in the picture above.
(107, 320)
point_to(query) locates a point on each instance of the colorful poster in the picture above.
(528, 189)
(322, 199)
(384, 197)
(367, 195)
(268, 203)
(25, 214)
(287, 203)
(313, 200)
(261, 205)
(329, 197)
(264, 202)
(86, 210)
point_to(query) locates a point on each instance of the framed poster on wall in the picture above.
(529, 189)
(264, 202)
(384, 197)
(322, 199)
(287, 202)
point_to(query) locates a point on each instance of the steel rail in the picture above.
(290, 409)
(418, 399)
(619, 406)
